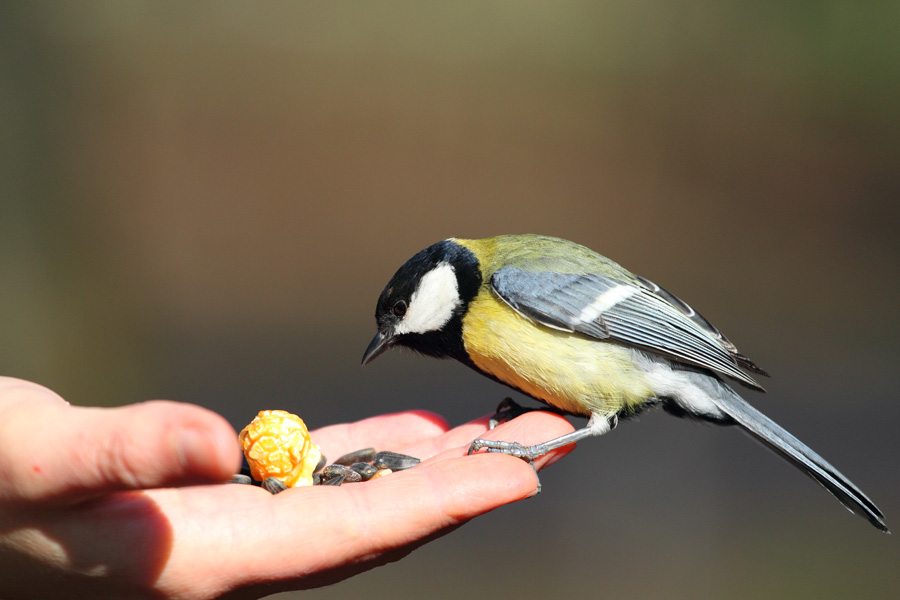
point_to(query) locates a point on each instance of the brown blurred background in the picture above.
(202, 201)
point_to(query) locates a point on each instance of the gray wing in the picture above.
(639, 314)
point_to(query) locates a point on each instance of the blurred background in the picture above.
(202, 201)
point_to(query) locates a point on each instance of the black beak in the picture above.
(381, 342)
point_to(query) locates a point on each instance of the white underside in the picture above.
(680, 387)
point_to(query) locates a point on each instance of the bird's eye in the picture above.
(399, 308)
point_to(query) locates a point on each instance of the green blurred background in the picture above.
(202, 202)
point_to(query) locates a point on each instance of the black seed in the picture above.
(365, 470)
(349, 475)
(364, 455)
(334, 480)
(334, 470)
(321, 465)
(241, 478)
(276, 486)
(394, 461)
(317, 479)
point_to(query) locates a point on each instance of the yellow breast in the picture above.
(569, 371)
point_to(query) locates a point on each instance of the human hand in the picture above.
(122, 502)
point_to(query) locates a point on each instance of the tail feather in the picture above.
(800, 455)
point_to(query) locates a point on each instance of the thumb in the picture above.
(51, 451)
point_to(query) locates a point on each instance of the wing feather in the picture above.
(639, 314)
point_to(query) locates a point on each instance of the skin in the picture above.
(125, 502)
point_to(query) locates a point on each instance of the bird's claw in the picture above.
(516, 449)
(526, 453)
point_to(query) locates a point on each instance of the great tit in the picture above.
(576, 331)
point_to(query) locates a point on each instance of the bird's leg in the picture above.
(597, 425)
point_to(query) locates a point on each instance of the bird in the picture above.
(576, 331)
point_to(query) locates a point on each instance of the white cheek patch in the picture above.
(433, 302)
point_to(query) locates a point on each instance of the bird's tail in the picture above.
(775, 437)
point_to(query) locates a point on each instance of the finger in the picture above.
(533, 428)
(384, 432)
(530, 428)
(56, 452)
(369, 521)
(355, 527)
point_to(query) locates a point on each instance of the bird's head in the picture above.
(423, 304)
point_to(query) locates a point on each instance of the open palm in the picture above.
(126, 502)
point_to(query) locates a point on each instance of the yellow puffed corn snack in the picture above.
(277, 444)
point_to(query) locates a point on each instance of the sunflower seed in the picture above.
(364, 455)
(321, 464)
(334, 480)
(275, 486)
(394, 461)
(349, 475)
(365, 470)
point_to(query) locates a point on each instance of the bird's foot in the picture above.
(526, 453)
(598, 425)
(516, 449)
